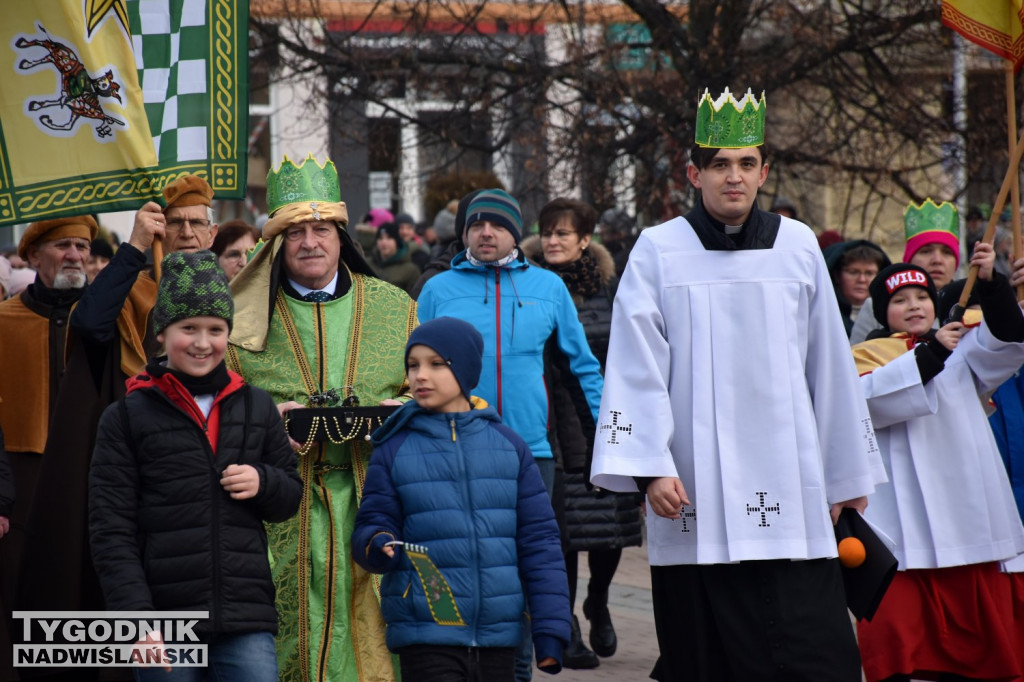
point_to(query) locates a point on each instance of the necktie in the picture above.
(317, 297)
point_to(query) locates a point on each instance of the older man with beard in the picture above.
(33, 327)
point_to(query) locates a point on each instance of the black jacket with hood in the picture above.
(164, 533)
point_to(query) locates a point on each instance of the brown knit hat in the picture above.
(188, 190)
(83, 226)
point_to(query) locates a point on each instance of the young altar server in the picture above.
(948, 505)
(730, 398)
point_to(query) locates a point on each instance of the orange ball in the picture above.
(851, 552)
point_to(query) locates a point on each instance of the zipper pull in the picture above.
(453, 429)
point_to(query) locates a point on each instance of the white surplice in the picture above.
(949, 501)
(732, 371)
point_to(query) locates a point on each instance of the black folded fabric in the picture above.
(866, 584)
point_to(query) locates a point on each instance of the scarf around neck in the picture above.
(211, 384)
(500, 263)
(580, 276)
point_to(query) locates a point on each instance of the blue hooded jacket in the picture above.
(517, 308)
(466, 487)
(1007, 425)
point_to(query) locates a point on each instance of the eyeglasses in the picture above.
(860, 274)
(234, 255)
(197, 224)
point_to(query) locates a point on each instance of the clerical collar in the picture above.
(757, 232)
(302, 291)
(719, 225)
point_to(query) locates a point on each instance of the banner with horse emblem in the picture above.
(103, 102)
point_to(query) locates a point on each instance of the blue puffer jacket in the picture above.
(1007, 425)
(467, 488)
(524, 306)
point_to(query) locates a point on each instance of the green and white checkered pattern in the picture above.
(171, 39)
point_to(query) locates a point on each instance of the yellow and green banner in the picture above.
(103, 102)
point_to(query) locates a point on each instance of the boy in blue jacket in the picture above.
(448, 476)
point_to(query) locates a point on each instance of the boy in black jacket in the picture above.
(187, 467)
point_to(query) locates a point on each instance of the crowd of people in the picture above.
(548, 395)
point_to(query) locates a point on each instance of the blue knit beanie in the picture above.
(455, 340)
(499, 207)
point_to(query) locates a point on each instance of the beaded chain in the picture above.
(358, 423)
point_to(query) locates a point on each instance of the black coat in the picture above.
(597, 519)
(164, 534)
(594, 520)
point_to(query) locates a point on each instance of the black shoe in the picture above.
(602, 634)
(577, 656)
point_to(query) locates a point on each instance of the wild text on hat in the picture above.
(906, 278)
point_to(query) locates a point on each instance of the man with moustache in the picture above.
(313, 321)
(33, 327)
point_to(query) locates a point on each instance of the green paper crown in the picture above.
(929, 217)
(730, 127)
(309, 182)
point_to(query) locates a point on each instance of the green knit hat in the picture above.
(193, 285)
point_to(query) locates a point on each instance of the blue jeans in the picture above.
(232, 658)
(524, 652)
(547, 473)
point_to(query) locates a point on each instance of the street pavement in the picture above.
(629, 601)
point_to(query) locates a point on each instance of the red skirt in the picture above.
(1017, 590)
(945, 620)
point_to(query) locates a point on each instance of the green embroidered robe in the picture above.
(330, 624)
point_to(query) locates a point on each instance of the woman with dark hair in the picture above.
(600, 523)
(852, 265)
(234, 240)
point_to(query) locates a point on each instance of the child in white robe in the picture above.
(948, 504)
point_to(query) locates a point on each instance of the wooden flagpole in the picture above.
(158, 258)
(1011, 129)
(990, 230)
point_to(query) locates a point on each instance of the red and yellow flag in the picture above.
(996, 25)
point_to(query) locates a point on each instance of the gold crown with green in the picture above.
(309, 181)
(930, 217)
(729, 124)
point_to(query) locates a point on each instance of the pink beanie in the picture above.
(379, 216)
(922, 239)
(931, 223)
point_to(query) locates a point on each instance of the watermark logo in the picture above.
(110, 639)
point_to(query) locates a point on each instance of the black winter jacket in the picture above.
(594, 520)
(164, 534)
